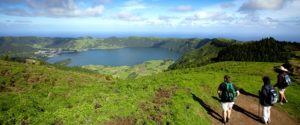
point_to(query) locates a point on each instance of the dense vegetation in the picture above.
(202, 55)
(43, 94)
(265, 50)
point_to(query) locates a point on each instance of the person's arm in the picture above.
(237, 90)
(219, 90)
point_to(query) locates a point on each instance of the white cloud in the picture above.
(155, 22)
(53, 8)
(253, 5)
(133, 5)
(211, 16)
(183, 8)
(127, 16)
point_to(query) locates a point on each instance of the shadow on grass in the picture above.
(209, 110)
(242, 110)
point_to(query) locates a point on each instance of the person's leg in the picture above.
(265, 114)
(229, 113)
(224, 116)
(229, 109)
(225, 109)
(281, 95)
(269, 113)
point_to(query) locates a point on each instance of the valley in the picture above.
(155, 92)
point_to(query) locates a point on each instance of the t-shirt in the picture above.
(222, 88)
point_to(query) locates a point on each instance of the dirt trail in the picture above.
(246, 113)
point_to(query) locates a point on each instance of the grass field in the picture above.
(45, 95)
(136, 71)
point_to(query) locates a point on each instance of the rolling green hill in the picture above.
(147, 68)
(264, 50)
(43, 94)
(202, 55)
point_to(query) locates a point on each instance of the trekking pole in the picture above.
(258, 113)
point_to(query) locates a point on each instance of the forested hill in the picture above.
(203, 55)
(264, 50)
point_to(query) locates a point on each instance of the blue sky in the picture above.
(237, 19)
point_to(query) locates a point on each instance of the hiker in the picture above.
(267, 97)
(283, 81)
(227, 91)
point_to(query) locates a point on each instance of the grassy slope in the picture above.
(72, 97)
(197, 57)
(144, 69)
(202, 55)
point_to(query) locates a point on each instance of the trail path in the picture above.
(245, 112)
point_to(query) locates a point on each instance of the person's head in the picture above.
(266, 80)
(226, 78)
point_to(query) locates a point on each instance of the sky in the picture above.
(236, 19)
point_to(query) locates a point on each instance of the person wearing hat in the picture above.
(280, 84)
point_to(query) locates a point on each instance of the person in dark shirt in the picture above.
(281, 86)
(226, 103)
(265, 99)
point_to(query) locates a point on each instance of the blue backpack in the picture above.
(273, 96)
(286, 80)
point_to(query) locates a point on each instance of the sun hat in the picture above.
(283, 69)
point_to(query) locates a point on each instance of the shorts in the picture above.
(227, 106)
(281, 91)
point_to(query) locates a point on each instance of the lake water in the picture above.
(116, 57)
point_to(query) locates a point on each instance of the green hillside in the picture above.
(202, 55)
(147, 68)
(264, 50)
(43, 94)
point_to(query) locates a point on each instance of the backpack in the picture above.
(286, 80)
(229, 94)
(273, 96)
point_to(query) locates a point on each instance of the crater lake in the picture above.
(115, 57)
